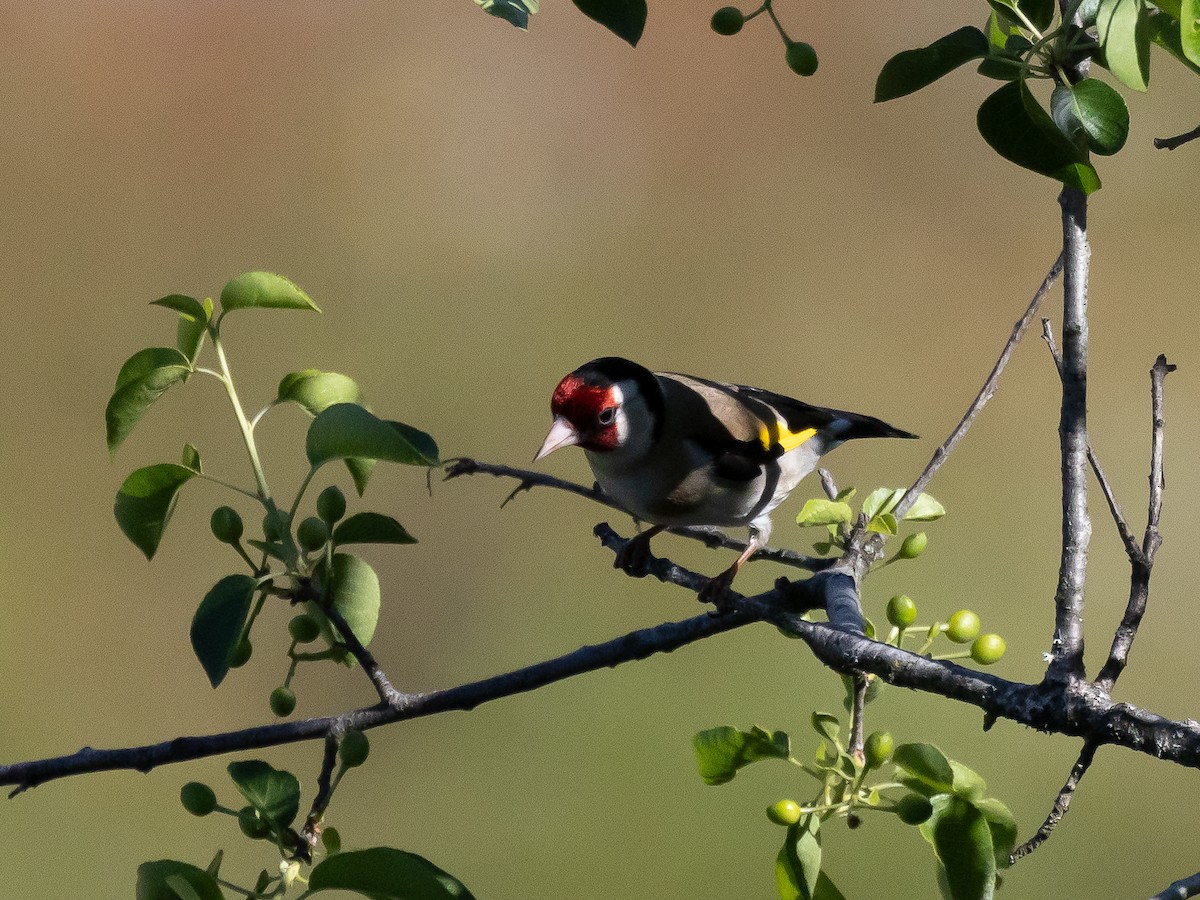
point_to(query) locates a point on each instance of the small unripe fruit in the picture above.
(728, 20)
(331, 838)
(902, 610)
(331, 504)
(354, 749)
(303, 628)
(913, 809)
(252, 826)
(963, 627)
(801, 58)
(283, 701)
(784, 812)
(853, 821)
(197, 798)
(914, 545)
(226, 525)
(241, 654)
(312, 534)
(987, 649)
(878, 748)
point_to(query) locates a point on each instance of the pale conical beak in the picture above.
(562, 434)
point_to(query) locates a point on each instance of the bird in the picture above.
(673, 449)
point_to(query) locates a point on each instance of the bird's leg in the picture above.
(634, 556)
(716, 590)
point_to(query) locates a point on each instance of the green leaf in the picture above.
(624, 18)
(1122, 27)
(1092, 114)
(720, 752)
(219, 622)
(962, 843)
(191, 459)
(881, 500)
(1165, 32)
(169, 879)
(846, 493)
(360, 470)
(826, 725)
(143, 379)
(798, 865)
(384, 873)
(145, 503)
(264, 290)
(884, 523)
(273, 549)
(1003, 828)
(273, 792)
(190, 331)
(214, 867)
(1039, 12)
(1016, 127)
(912, 70)
(925, 509)
(188, 307)
(1189, 30)
(968, 783)
(927, 764)
(316, 391)
(826, 890)
(355, 592)
(371, 528)
(516, 12)
(818, 511)
(347, 430)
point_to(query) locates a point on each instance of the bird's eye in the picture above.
(607, 415)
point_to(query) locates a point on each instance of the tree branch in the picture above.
(984, 395)
(1061, 804)
(1181, 889)
(1066, 651)
(1139, 579)
(1170, 143)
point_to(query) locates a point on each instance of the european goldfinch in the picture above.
(678, 450)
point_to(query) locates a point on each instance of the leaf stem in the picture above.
(226, 484)
(260, 477)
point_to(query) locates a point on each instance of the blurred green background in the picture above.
(478, 211)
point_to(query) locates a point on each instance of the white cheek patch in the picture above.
(620, 420)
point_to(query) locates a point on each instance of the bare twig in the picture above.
(1170, 143)
(387, 693)
(1132, 550)
(1061, 804)
(1181, 889)
(1066, 650)
(984, 395)
(1139, 579)
(711, 537)
(857, 718)
(311, 833)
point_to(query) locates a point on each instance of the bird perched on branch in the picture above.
(679, 450)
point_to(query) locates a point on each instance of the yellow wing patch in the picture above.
(780, 436)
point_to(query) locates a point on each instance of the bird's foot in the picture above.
(717, 592)
(635, 556)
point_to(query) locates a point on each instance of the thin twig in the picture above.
(1066, 649)
(311, 833)
(1170, 143)
(1181, 889)
(1132, 550)
(383, 686)
(857, 716)
(1061, 804)
(1139, 579)
(711, 537)
(984, 395)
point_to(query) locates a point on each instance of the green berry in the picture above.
(987, 649)
(331, 838)
(241, 654)
(913, 809)
(963, 627)
(252, 826)
(331, 504)
(728, 20)
(784, 812)
(853, 821)
(226, 525)
(902, 610)
(312, 534)
(197, 798)
(878, 748)
(283, 701)
(304, 628)
(801, 58)
(354, 749)
(914, 545)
